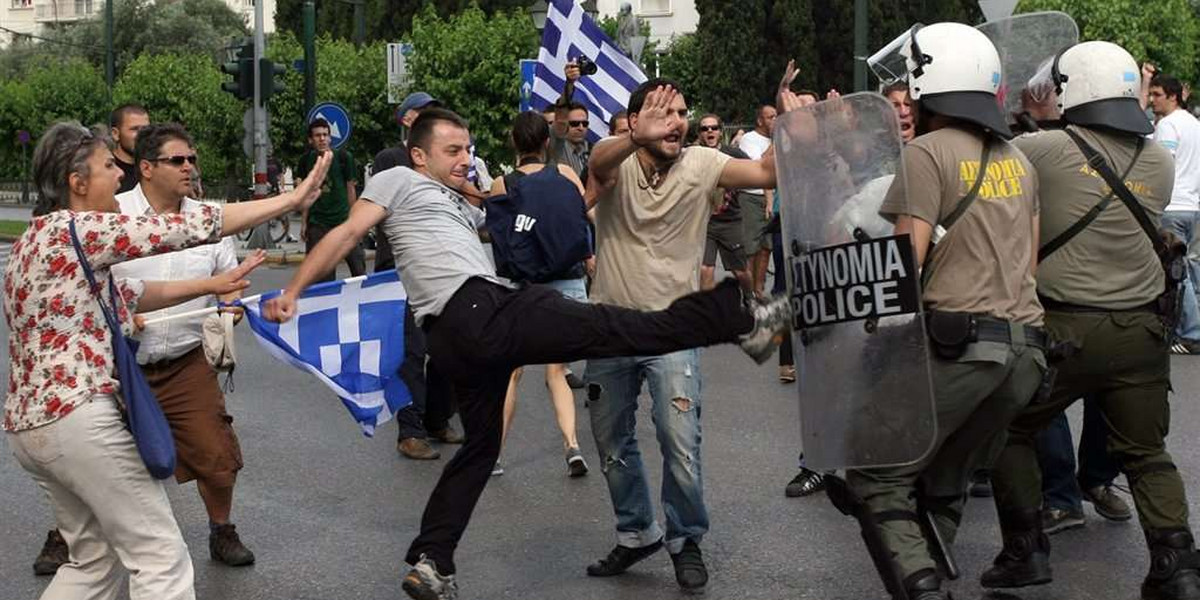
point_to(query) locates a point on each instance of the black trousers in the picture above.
(432, 404)
(487, 330)
(356, 260)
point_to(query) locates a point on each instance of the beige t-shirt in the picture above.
(1110, 264)
(650, 241)
(982, 266)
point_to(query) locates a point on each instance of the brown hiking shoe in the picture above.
(417, 449)
(447, 436)
(54, 554)
(226, 547)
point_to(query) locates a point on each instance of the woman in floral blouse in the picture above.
(62, 410)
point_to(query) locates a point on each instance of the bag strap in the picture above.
(109, 315)
(1097, 162)
(1053, 245)
(943, 228)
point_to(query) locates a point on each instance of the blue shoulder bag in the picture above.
(149, 426)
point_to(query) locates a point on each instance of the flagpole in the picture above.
(204, 312)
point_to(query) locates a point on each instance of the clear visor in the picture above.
(1040, 87)
(890, 63)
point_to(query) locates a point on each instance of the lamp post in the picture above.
(538, 11)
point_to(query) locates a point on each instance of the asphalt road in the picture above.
(330, 513)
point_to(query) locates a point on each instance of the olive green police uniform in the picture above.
(1099, 291)
(984, 267)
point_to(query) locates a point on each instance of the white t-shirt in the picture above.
(754, 144)
(1179, 132)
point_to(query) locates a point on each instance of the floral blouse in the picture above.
(59, 345)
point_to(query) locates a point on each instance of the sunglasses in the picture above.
(577, 123)
(710, 128)
(176, 160)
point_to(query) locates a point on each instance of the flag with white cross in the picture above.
(350, 335)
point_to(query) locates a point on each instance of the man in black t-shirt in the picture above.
(126, 120)
(725, 224)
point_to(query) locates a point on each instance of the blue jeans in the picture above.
(1185, 225)
(1056, 456)
(613, 388)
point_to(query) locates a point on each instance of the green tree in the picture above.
(1163, 32)
(386, 20)
(186, 89)
(47, 91)
(731, 53)
(470, 62)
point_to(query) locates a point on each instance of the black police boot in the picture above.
(1173, 566)
(1025, 559)
(924, 585)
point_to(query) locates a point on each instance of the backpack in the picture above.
(539, 227)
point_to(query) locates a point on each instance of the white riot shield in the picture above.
(866, 395)
(1025, 42)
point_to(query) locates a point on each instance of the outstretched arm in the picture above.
(329, 252)
(162, 294)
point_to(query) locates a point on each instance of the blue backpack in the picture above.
(539, 227)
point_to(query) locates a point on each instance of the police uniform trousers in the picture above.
(977, 395)
(1123, 362)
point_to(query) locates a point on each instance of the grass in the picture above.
(12, 228)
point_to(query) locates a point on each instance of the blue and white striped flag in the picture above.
(570, 33)
(350, 335)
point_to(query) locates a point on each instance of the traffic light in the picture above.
(242, 85)
(271, 75)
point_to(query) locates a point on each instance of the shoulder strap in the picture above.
(109, 315)
(942, 228)
(972, 195)
(1097, 162)
(1053, 245)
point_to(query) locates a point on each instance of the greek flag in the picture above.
(570, 33)
(350, 335)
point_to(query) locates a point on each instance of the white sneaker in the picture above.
(772, 318)
(423, 582)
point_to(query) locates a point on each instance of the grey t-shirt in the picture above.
(434, 235)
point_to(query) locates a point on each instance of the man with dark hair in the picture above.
(619, 123)
(725, 225)
(125, 121)
(1179, 132)
(339, 194)
(656, 202)
(429, 414)
(170, 353)
(571, 148)
(479, 329)
(756, 203)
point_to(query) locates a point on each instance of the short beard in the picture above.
(656, 152)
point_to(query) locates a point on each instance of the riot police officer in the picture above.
(968, 199)
(1099, 283)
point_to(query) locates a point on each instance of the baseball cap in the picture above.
(415, 100)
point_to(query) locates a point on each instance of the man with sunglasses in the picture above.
(725, 224)
(569, 146)
(171, 354)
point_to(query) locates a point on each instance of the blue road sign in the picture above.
(527, 68)
(338, 119)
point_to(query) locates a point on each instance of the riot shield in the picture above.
(866, 395)
(1025, 42)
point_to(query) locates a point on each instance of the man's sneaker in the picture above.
(417, 449)
(576, 466)
(981, 485)
(1055, 520)
(497, 469)
(620, 559)
(424, 582)
(226, 547)
(447, 436)
(690, 572)
(772, 318)
(806, 483)
(1107, 503)
(1185, 347)
(53, 555)
(574, 381)
(787, 374)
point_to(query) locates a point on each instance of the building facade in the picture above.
(30, 17)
